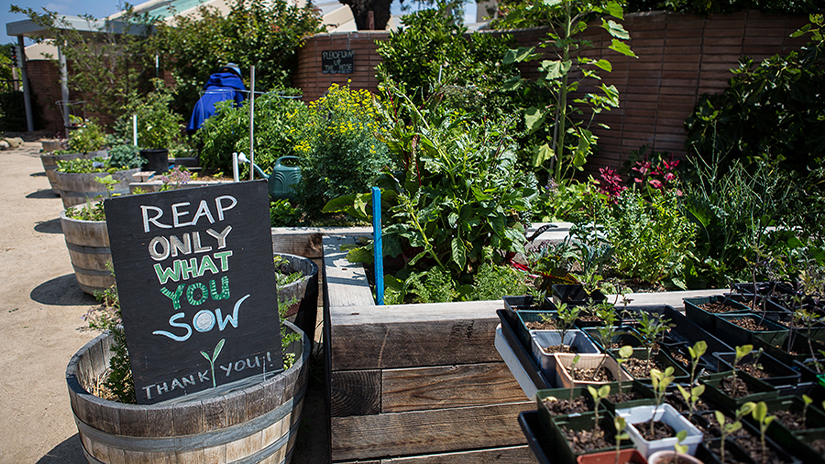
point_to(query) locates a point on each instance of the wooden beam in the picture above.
(390, 337)
(427, 432)
(443, 387)
(355, 393)
(344, 283)
(506, 455)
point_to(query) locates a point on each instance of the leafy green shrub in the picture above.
(87, 138)
(157, 125)
(279, 123)
(431, 286)
(651, 241)
(434, 47)
(266, 34)
(493, 281)
(770, 111)
(339, 152)
(125, 156)
(730, 210)
(456, 197)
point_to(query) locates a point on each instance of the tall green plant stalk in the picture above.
(567, 19)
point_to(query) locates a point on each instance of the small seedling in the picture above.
(598, 395)
(696, 352)
(567, 316)
(660, 381)
(741, 352)
(607, 331)
(692, 396)
(807, 400)
(572, 374)
(622, 356)
(679, 447)
(620, 424)
(653, 330)
(760, 415)
(725, 428)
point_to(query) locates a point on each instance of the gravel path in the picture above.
(40, 317)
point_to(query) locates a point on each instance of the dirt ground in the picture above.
(41, 325)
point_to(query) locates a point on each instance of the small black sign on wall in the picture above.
(337, 61)
(197, 289)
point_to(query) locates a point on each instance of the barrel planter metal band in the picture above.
(50, 164)
(88, 245)
(77, 188)
(257, 423)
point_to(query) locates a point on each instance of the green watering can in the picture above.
(282, 179)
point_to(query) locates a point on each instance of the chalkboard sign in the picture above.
(337, 61)
(196, 282)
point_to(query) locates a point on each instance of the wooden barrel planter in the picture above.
(50, 164)
(77, 188)
(305, 290)
(258, 423)
(88, 244)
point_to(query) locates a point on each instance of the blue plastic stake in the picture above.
(377, 245)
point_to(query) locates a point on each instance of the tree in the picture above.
(255, 32)
(115, 58)
(360, 11)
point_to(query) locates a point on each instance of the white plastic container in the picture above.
(664, 413)
(578, 341)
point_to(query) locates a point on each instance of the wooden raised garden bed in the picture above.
(415, 380)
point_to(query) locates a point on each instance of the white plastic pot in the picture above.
(664, 413)
(577, 340)
(682, 458)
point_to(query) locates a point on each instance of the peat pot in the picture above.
(88, 244)
(76, 188)
(304, 311)
(256, 423)
(50, 164)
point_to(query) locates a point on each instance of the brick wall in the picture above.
(680, 57)
(44, 77)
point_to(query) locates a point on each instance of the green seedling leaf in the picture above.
(760, 411)
(625, 351)
(679, 447)
(698, 350)
(742, 351)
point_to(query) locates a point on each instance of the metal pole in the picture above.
(252, 124)
(64, 87)
(134, 129)
(27, 96)
(377, 246)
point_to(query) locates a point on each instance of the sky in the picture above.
(103, 8)
(97, 8)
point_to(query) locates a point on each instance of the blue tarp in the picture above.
(221, 86)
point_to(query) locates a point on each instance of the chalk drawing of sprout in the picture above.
(211, 360)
